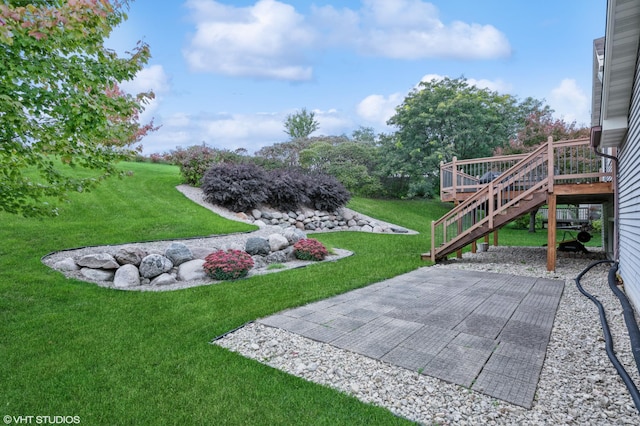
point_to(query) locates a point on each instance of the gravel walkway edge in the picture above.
(578, 384)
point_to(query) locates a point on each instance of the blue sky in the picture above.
(228, 72)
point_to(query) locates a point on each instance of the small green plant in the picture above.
(310, 249)
(596, 225)
(228, 265)
(275, 266)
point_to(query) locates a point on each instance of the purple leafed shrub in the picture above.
(326, 192)
(238, 187)
(310, 249)
(287, 189)
(228, 265)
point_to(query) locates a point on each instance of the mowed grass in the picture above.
(71, 348)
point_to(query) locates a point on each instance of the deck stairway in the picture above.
(516, 191)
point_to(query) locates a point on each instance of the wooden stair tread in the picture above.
(501, 218)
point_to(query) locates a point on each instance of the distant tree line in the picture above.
(438, 120)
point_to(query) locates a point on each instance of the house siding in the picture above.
(629, 199)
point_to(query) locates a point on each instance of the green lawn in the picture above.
(117, 357)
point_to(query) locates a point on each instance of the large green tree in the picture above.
(354, 164)
(301, 124)
(444, 118)
(60, 105)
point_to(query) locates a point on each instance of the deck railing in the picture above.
(573, 162)
(530, 174)
(495, 190)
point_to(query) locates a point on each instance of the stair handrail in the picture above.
(494, 189)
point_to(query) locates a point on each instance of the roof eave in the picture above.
(622, 38)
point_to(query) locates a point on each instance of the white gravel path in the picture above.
(578, 384)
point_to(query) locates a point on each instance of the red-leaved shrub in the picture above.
(228, 265)
(310, 249)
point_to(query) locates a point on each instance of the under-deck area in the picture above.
(490, 192)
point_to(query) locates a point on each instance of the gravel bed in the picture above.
(578, 385)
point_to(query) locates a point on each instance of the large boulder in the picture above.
(192, 270)
(130, 255)
(154, 265)
(281, 256)
(66, 264)
(257, 246)
(98, 261)
(202, 252)
(97, 274)
(293, 235)
(127, 276)
(163, 279)
(178, 253)
(277, 242)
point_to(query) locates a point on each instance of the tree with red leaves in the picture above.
(60, 104)
(538, 125)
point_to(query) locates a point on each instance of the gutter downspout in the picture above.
(596, 133)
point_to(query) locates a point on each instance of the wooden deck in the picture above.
(491, 192)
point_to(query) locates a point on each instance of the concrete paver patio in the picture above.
(484, 331)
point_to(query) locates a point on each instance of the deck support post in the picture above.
(433, 241)
(551, 234)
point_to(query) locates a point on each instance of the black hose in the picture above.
(629, 316)
(633, 390)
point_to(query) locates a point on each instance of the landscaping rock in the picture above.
(293, 235)
(130, 255)
(257, 246)
(126, 276)
(242, 216)
(346, 215)
(98, 261)
(163, 279)
(277, 242)
(192, 270)
(154, 265)
(67, 264)
(178, 253)
(202, 252)
(97, 274)
(399, 230)
(281, 256)
(259, 262)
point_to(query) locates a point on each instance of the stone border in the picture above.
(66, 261)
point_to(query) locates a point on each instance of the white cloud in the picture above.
(266, 40)
(493, 85)
(233, 131)
(222, 130)
(377, 109)
(570, 102)
(331, 122)
(150, 78)
(270, 39)
(179, 119)
(154, 79)
(410, 29)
